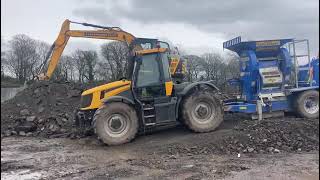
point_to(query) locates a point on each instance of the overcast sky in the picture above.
(195, 26)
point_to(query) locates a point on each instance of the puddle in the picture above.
(23, 174)
(8, 93)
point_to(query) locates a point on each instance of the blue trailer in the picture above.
(271, 81)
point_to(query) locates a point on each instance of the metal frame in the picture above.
(292, 46)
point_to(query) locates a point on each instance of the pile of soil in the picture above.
(288, 134)
(42, 109)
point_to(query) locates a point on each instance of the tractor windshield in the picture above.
(149, 72)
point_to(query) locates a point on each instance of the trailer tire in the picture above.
(115, 123)
(202, 111)
(307, 104)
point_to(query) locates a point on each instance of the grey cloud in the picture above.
(97, 14)
(250, 18)
(211, 11)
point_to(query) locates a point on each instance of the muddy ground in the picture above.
(38, 142)
(168, 154)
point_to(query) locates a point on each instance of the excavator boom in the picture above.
(109, 33)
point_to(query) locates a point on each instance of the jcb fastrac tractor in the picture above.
(145, 100)
(148, 99)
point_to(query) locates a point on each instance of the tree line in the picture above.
(214, 67)
(24, 56)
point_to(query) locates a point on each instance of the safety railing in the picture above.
(292, 48)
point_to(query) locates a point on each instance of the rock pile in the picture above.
(42, 109)
(267, 136)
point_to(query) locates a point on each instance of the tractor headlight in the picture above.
(86, 100)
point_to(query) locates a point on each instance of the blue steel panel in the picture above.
(251, 45)
(241, 108)
(277, 106)
(250, 108)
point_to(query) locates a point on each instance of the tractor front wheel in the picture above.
(115, 123)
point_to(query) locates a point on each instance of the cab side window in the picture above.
(149, 82)
(166, 67)
(149, 73)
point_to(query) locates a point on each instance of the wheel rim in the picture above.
(311, 105)
(116, 125)
(202, 112)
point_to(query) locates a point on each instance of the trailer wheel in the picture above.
(307, 104)
(202, 111)
(115, 123)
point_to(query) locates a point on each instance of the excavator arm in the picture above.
(56, 50)
(177, 66)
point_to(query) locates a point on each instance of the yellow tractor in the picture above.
(148, 99)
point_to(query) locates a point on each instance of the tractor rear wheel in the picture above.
(307, 104)
(202, 111)
(115, 123)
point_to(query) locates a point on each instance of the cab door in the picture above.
(153, 87)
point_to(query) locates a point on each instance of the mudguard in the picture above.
(192, 85)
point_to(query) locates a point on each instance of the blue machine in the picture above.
(270, 81)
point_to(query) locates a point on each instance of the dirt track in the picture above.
(148, 157)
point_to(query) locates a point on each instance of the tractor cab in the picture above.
(152, 86)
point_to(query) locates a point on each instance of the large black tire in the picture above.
(307, 104)
(202, 111)
(116, 123)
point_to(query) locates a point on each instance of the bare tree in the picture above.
(67, 66)
(115, 55)
(193, 67)
(214, 67)
(90, 58)
(233, 71)
(85, 62)
(210, 65)
(103, 71)
(233, 65)
(65, 69)
(79, 64)
(42, 49)
(22, 56)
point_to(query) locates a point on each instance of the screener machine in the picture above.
(271, 82)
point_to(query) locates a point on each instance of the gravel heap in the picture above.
(267, 136)
(42, 109)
